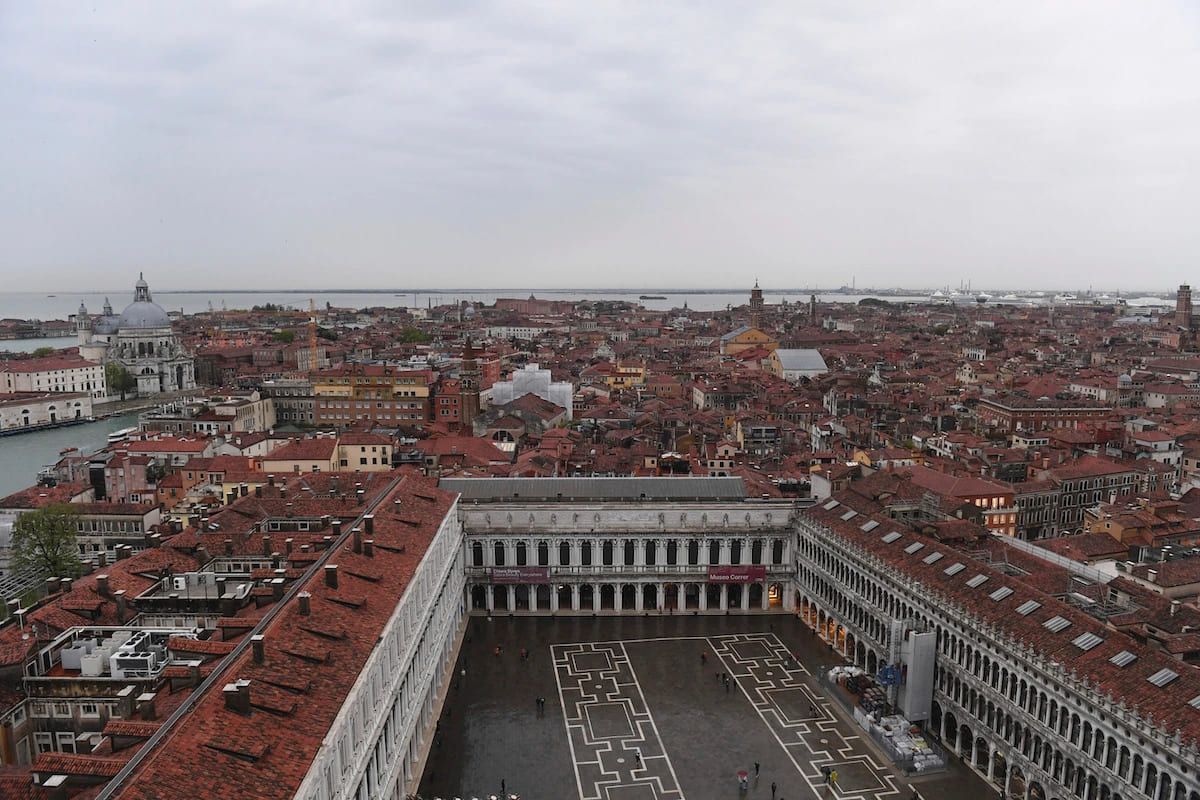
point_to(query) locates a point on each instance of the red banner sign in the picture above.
(520, 574)
(737, 573)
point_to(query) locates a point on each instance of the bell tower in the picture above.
(468, 386)
(756, 306)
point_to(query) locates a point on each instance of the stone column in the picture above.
(553, 599)
(724, 597)
(490, 601)
(596, 598)
(724, 557)
(532, 596)
(639, 603)
(766, 596)
(574, 596)
(704, 597)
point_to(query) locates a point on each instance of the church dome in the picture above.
(143, 313)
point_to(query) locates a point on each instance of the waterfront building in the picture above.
(59, 373)
(29, 410)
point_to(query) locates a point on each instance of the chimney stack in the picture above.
(337, 527)
(146, 706)
(1174, 607)
(331, 576)
(287, 545)
(65, 584)
(266, 540)
(101, 559)
(369, 523)
(356, 533)
(102, 584)
(229, 547)
(52, 585)
(270, 480)
(237, 696)
(258, 643)
(56, 787)
(244, 489)
(369, 547)
(119, 594)
(125, 702)
(202, 555)
(258, 491)
(305, 600)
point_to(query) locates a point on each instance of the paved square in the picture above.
(620, 688)
(609, 721)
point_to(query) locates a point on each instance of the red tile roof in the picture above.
(267, 753)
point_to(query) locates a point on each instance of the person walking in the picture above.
(756, 765)
(637, 757)
(833, 777)
(774, 787)
(503, 788)
(703, 658)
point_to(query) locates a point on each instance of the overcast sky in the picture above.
(593, 144)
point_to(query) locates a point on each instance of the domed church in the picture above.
(141, 340)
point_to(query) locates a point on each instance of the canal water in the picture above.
(22, 455)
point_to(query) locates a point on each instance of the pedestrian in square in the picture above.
(756, 769)
(637, 757)
(773, 788)
(833, 777)
(703, 657)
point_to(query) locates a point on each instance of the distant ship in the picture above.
(653, 297)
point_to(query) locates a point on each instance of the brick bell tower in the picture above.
(468, 386)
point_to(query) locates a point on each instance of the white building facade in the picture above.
(382, 735)
(531, 379)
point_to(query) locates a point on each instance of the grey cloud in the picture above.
(640, 143)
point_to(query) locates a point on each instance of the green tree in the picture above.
(287, 337)
(410, 335)
(118, 379)
(42, 352)
(44, 541)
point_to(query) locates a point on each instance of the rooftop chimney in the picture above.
(270, 480)
(119, 594)
(237, 696)
(102, 584)
(52, 585)
(229, 547)
(56, 787)
(65, 584)
(287, 545)
(369, 548)
(305, 599)
(258, 491)
(356, 533)
(1174, 607)
(266, 540)
(331, 576)
(1152, 575)
(101, 559)
(369, 522)
(202, 555)
(244, 489)
(257, 642)
(337, 527)
(146, 706)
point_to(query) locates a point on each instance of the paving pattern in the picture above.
(616, 749)
(784, 694)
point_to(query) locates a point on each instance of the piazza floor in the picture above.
(632, 712)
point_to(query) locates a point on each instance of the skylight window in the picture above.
(1028, 607)
(932, 558)
(1195, 702)
(1163, 677)
(849, 515)
(977, 581)
(955, 568)
(831, 505)
(914, 547)
(1086, 641)
(888, 538)
(1123, 658)
(870, 525)
(1056, 624)
(1001, 593)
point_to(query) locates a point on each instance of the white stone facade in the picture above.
(380, 738)
(533, 380)
(628, 557)
(1020, 720)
